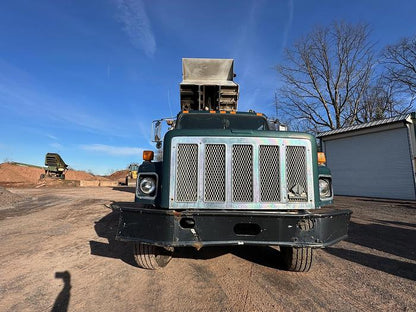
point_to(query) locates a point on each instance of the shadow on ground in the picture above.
(389, 239)
(391, 266)
(262, 255)
(106, 227)
(129, 189)
(413, 225)
(384, 237)
(62, 300)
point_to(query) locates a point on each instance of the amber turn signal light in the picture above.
(148, 155)
(321, 158)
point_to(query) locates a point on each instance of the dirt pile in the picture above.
(82, 175)
(18, 175)
(121, 174)
(12, 175)
(8, 198)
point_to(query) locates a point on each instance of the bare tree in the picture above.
(325, 76)
(400, 66)
(378, 102)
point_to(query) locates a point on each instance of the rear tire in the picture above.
(152, 257)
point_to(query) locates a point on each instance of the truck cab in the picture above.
(226, 178)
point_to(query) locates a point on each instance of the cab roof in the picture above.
(253, 113)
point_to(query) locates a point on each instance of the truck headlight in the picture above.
(147, 185)
(324, 188)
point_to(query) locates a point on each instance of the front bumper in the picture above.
(199, 228)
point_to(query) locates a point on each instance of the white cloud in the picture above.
(288, 26)
(112, 150)
(132, 14)
(56, 145)
(50, 136)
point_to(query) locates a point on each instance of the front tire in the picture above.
(297, 259)
(152, 257)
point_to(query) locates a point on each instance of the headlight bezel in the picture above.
(150, 176)
(327, 195)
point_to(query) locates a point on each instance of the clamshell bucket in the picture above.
(207, 84)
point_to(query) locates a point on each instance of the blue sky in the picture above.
(86, 78)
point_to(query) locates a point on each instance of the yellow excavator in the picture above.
(131, 177)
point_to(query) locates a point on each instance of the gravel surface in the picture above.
(9, 199)
(58, 251)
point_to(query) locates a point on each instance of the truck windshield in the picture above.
(221, 121)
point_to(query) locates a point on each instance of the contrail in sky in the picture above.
(132, 14)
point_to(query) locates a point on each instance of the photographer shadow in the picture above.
(62, 301)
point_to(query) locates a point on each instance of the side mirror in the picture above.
(276, 125)
(157, 129)
(157, 126)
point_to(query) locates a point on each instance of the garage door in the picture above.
(374, 165)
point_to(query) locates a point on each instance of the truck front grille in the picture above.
(296, 173)
(269, 173)
(187, 173)
(214, 173)
(244, 173)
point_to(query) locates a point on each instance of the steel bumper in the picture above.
(199, 228)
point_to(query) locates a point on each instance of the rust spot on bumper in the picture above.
(197, 245)
(177, 215)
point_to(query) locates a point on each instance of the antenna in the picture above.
(170, 108)
(276, 101)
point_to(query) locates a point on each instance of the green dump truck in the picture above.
(223, 177)
(55, 166)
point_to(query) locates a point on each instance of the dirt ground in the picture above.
(58, 252)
